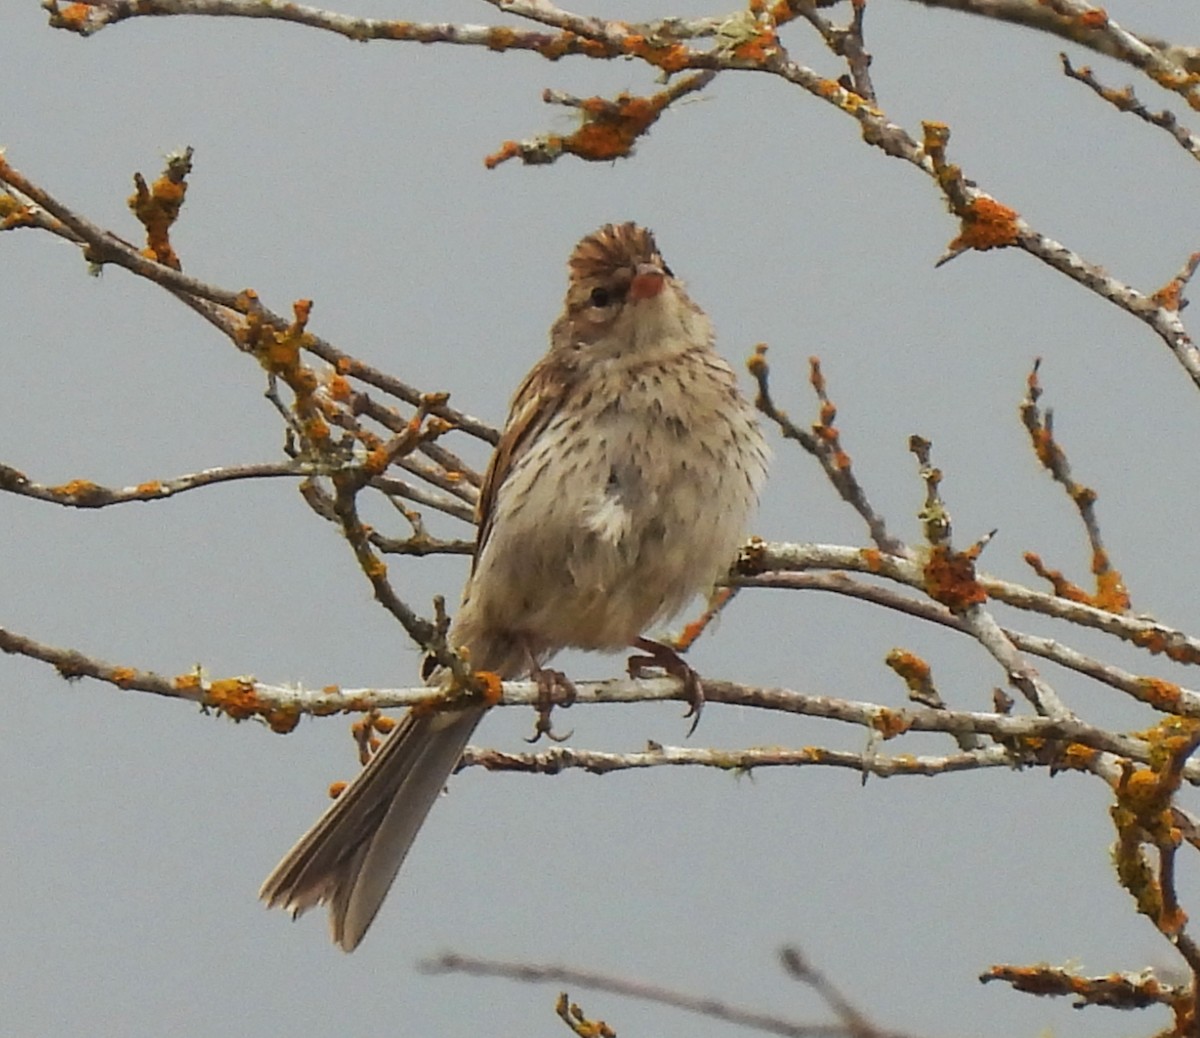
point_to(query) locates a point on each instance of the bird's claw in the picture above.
(668, 660)
(548, 683)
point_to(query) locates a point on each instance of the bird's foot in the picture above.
(667, 659)
(551, 685)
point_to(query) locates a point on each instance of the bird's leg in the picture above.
(549, 682)
(666, 658)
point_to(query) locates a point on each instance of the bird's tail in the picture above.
(350, 857)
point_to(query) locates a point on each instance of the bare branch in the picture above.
(824, 444)
(563, 758)
(452, 962)
(1126, 101)
(82, 493)
(281, 707)
(761, 558)
(1117, 990)
(1165, 63)
(1165, 696)
(93, 15)
(609, 129)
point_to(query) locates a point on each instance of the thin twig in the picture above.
(824, 444)
(82, 493)
(530, 973)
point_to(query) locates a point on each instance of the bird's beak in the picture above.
(648, 281)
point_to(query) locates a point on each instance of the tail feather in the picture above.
(350, 857)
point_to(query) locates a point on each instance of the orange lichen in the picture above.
(564, 43)
(1113, 989)
(82, 490)
(246, 301)
(279, 352)
(1174, 647)
(1111, 593)
(1172, 741)
(1170, 296)
(950, 579)
(186, 682)
(670, 58)
(151, 487)
(336, 789)
(235, 697)
(1143, 814)
(782, 12)
(1153, 641)
(157, 207)
(508, 150)
(282, 719)
(76, 487)
(759, 47)
(1048, 452)
(756, 363)
(873, 557)
(1063, 587)
(848, 101)
(986, 224)
(123, 677)
(1142, 791)
(936, 136)
(501, 38)
(369, 440)
(890, 723)
(13, 213)
(316, 429)
(1077, 757)
(377, 460)
(915, 671)
(490, 686)
(384, 724)
(339, 388)
(823, 428)
(611, 128)
(1095, 18)
(74, 17)
(1160, 694)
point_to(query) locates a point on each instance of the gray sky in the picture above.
(137, 831)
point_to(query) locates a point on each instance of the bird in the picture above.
(621, 487)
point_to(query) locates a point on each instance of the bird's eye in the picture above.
(600, 297)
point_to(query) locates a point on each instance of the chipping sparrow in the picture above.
(620, 488)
